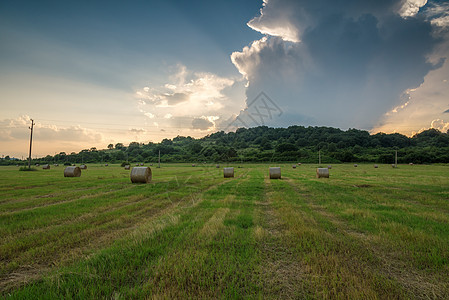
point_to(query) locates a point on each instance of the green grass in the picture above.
(190, 233)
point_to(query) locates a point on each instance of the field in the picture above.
(362, 233)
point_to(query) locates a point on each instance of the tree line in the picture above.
(265, 144)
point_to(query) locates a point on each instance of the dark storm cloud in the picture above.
(350, 64)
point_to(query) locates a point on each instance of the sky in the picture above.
(92, 73)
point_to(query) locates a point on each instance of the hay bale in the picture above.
(299, 164)
(322, 173)
(127, 167)
(37, 165)
(355, 166)
(141, 164)
(46, 167)
(294, 166)
(193, 165)
(393, 165)
(218, 166)
(137, 165)
(329, 167)
(141, 175)
(106, 165)
(411, 164)
(56, 165)
(228, 172)
(376, 166)
(275, 172)
(83, 167)
(151, 164)
(72, 171)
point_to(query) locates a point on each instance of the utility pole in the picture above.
(319, 157)
(31, 142)
(159, 159)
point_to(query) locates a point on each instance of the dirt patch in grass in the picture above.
(362, 185)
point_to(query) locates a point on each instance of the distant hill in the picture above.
(264, 144)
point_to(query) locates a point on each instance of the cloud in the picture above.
(175, 98)
(338, 63)
(202, 124)
(438, 14)
(18, 129)
(135, 130)
(189, 95)
(440, 125)
(411, 7)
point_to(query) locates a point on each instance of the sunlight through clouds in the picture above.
(192, 100)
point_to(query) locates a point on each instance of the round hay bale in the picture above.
(355, 165)
(137, 165)
(329, 167)
(193, 165)
(141, 164)
(294, 166)
(72, 171)
(106, 165)
(151, 164)
(228, 172)
(141, 175)
(299, 164)
(83, 167)
(37, 165)
(218, 166)
(56, 165)
(127, 167)
(376, 166)
(275, 172)
(46, 167)
(322, 173)
(393, 165)
(411, 164)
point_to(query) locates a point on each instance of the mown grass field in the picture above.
(362, 233)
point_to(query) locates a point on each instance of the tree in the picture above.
(286, 147)
(110, 146)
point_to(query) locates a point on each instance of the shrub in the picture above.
(27, 169)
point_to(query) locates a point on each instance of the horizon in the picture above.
(91, 74)
(106, 148)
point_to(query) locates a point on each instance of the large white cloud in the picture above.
(338, 63)
(192, 101)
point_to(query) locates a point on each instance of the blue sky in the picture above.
(134, 36)
(92, 73)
